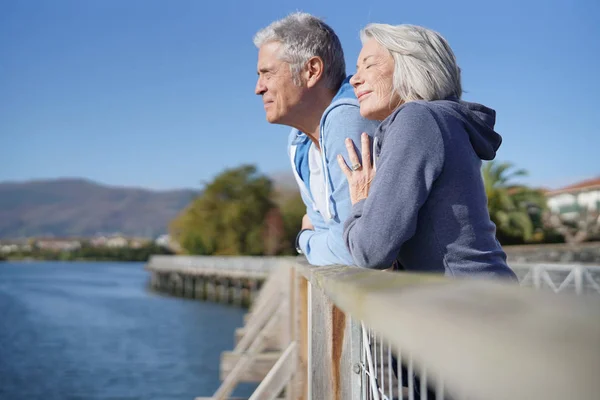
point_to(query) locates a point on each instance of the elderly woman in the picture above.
(420, 201)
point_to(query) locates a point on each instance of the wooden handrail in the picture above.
(487, 340)
(484, 340)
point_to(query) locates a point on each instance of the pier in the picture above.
(334, 332)
(233, 280)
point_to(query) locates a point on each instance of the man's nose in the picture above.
(260, 87)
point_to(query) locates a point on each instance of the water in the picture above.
(93, 331)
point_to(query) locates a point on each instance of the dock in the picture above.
(335, 332)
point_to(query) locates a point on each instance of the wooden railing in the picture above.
(466, 339)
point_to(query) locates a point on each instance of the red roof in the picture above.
(587, 184)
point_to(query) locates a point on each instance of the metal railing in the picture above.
(560, 278)
(342, 329)
(380, 381)
(459, 339)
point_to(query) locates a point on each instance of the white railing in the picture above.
(339, 328)
(560, 278)
(379, 381)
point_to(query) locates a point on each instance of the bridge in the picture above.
(334, 332)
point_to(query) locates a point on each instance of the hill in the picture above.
(79, 207)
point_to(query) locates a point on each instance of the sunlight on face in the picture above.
(373, 82)
(276, 85)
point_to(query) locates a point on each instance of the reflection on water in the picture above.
(93, 331)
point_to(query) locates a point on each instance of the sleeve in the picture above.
(327, 246)
(411, 159)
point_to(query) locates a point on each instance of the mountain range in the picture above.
(83, 208)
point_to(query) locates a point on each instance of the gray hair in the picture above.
(424, 65)
(304, 36)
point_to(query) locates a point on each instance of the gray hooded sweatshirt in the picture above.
(427, 206)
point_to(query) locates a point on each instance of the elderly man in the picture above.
(302, 82)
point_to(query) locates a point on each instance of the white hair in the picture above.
(424, 65)
(304, 36)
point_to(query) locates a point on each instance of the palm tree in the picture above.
(514, 208)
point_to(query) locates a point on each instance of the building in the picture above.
(569, 202)
(575, 211)
(58, 244)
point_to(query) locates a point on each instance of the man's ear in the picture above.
(314, 71)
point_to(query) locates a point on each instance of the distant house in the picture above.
(98, 241)
(117, 242)
(137, 243)
(575, 211)
(571, 200)
(14, 245)
(167, 242)
(163, 241)
(58, 244)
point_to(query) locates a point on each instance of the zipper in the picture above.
(300, 182)
(325, 171)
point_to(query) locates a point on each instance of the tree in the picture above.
(292, 210)
(515, 209)
(274, 232)
(229, 217)
(585, 225)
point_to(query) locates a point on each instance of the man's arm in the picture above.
(326, 247)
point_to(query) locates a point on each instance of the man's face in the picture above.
(275, 84)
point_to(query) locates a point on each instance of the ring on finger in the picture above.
(356, 167)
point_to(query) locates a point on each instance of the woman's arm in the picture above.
(411, 159)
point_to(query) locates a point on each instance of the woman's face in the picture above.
(373, 82)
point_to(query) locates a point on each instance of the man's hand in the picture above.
(306, 224)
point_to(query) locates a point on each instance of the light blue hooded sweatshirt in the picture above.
(325, 245)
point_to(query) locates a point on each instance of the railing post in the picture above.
(354, 349)
(536, 277)
(578, 279)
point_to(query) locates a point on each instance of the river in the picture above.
(85, 330)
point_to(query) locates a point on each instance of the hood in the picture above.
(478, 121)
(346, 91)
(344, 95)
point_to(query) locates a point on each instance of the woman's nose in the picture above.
(355, 80)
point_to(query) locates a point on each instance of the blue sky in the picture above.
(160, 94)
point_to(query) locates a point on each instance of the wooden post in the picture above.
(198, 287)
(188, 286)
(303, 335)
(210, 288)
(238, 292)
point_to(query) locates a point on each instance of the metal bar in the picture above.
(439, 389)
(549, 281)
(591, 280)
(399, 375)
(570, 277)
(423, 383)
(309, 357)
(390, 370)
(578, 279)
(537, 283)
(411, 380)
(382, 382)
(370, 365)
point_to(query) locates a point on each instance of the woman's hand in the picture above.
(359, 176)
